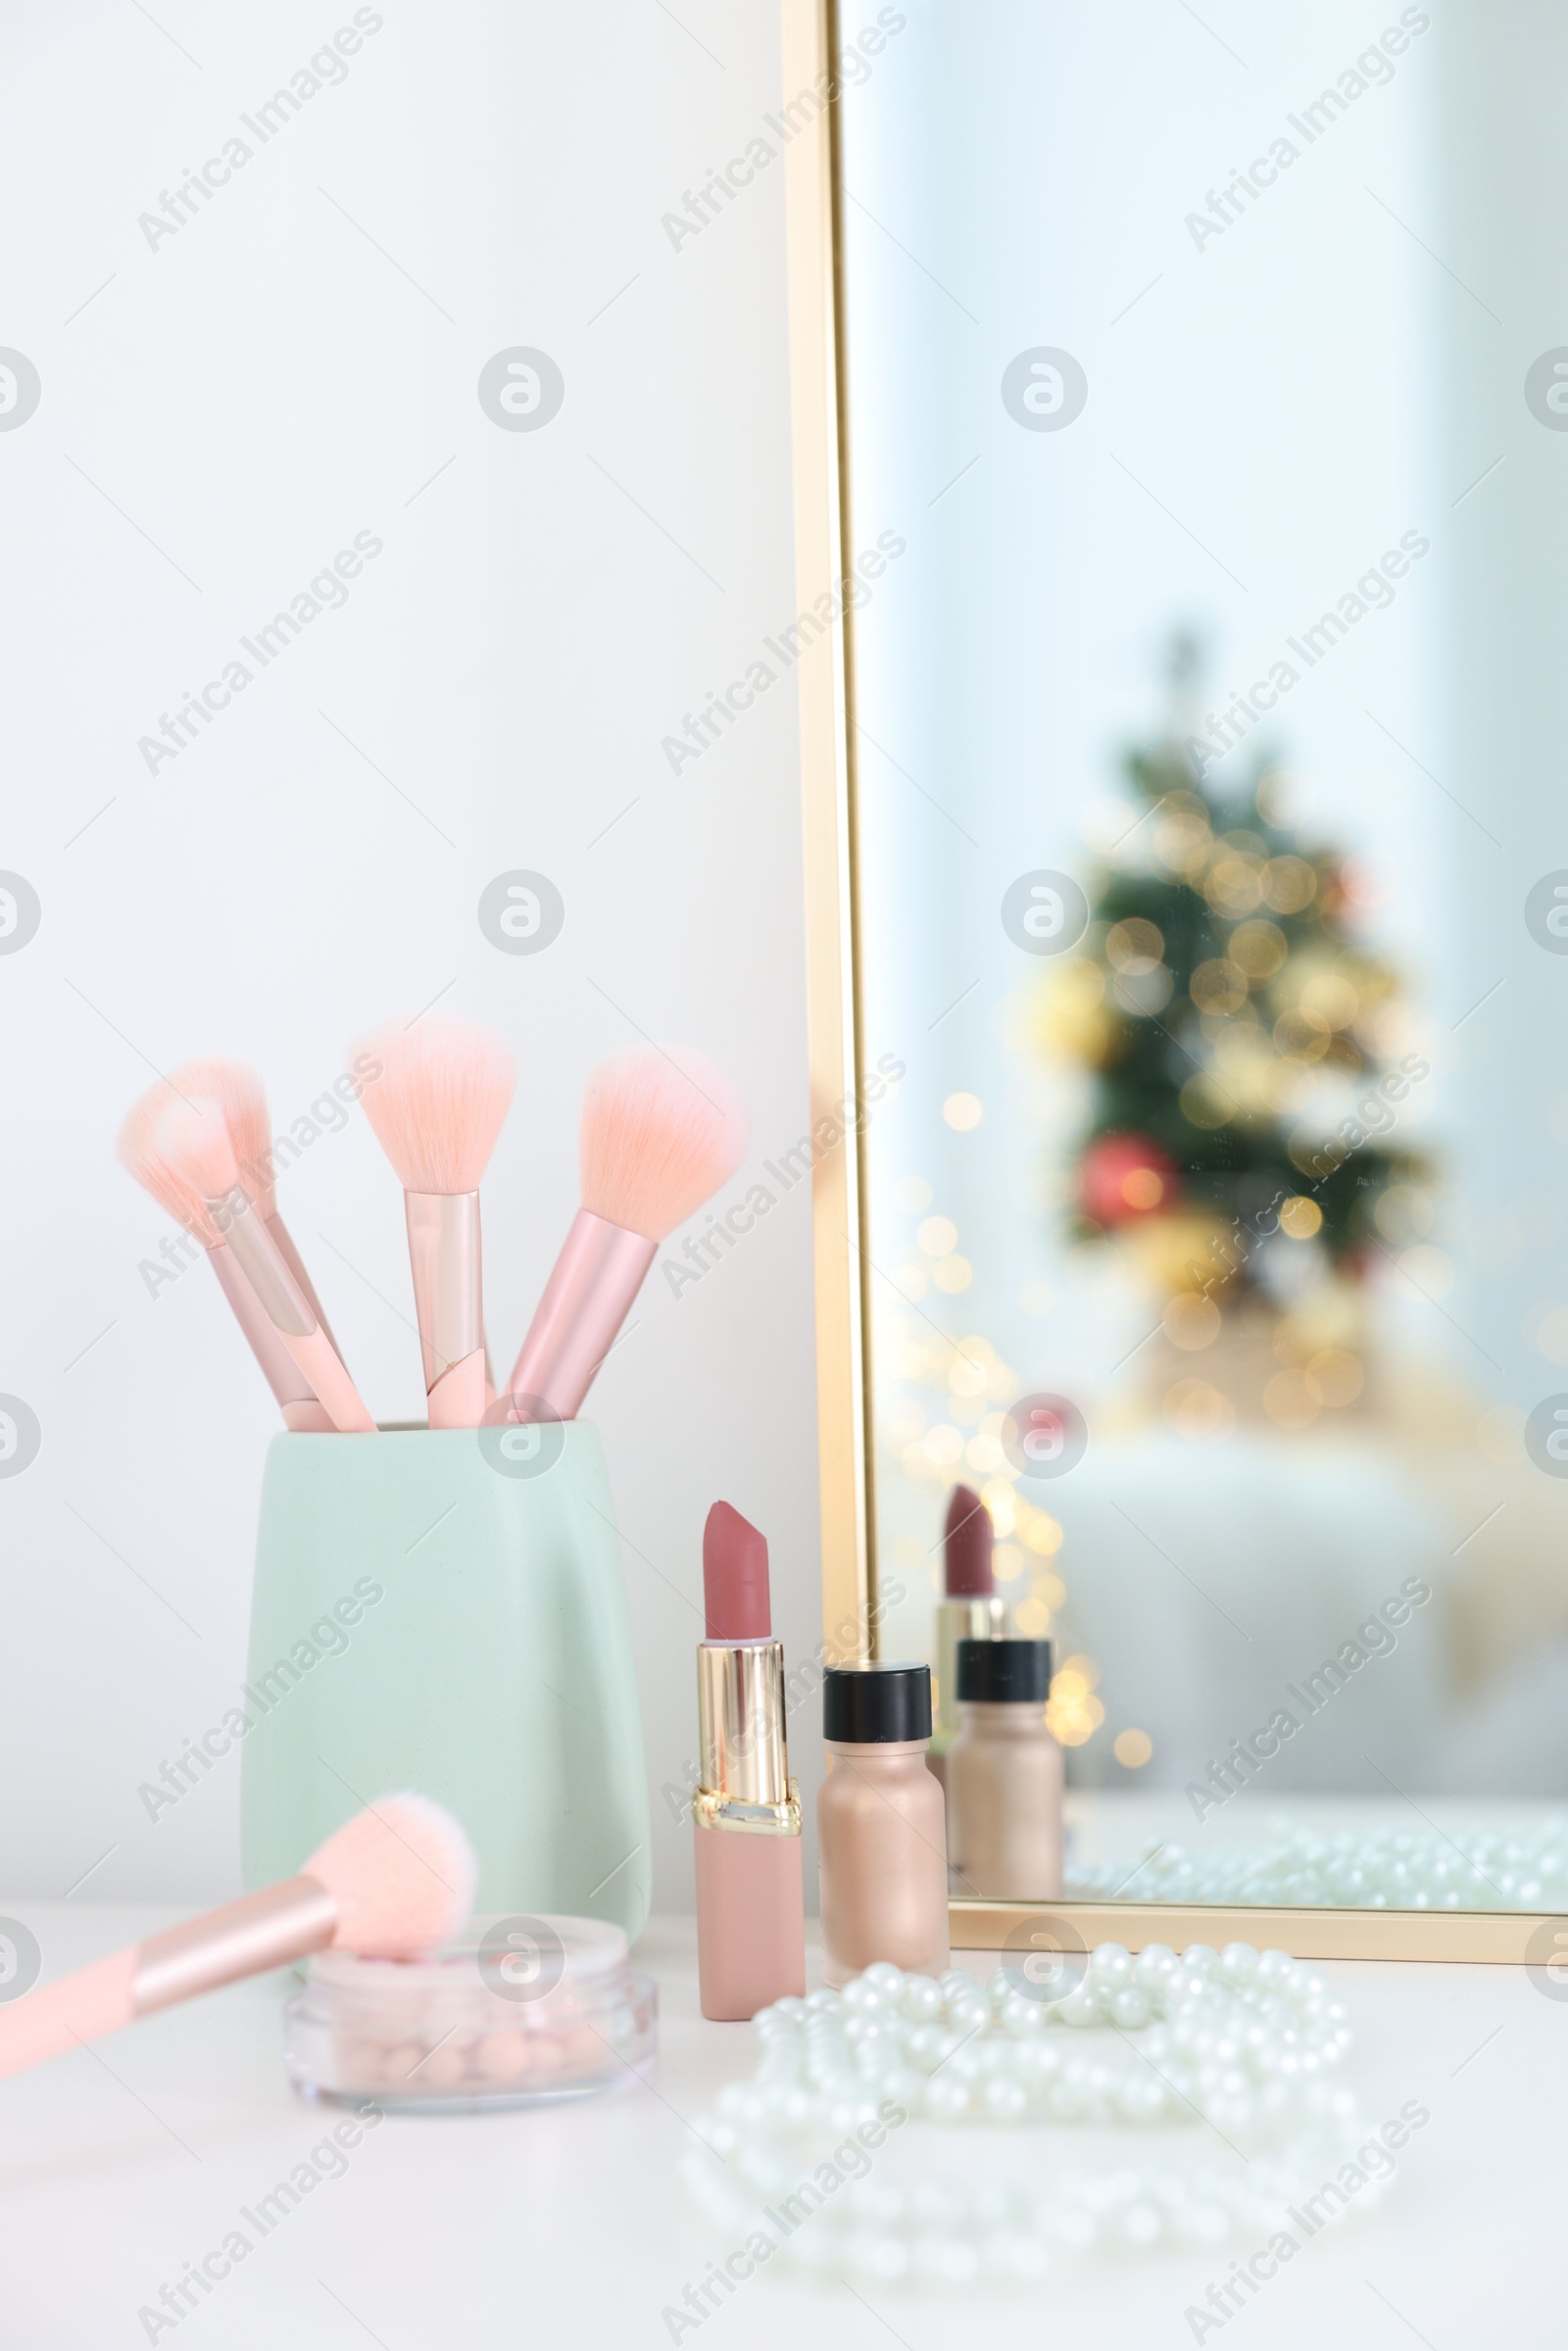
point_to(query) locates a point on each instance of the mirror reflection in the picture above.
(1215, 893)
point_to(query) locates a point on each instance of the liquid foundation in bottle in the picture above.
(751, 1908)
(881, 1837)
(1004, 1775)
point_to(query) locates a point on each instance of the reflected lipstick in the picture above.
(751, 1904)
(971, 1609)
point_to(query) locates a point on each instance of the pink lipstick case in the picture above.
(750, 1903)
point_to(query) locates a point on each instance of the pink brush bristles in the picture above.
(403, 1875)
(192, 1139)
(663, 1127)
(440, 1102)
(239, 1093)
(138, 1154)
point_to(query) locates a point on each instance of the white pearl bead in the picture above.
(1142, 2225)
(1141, 2098)
(946, 2260)
(1080, 2007)
(1004, 2100)
(880, 2259)
(921, 1998)
(1131, 2007)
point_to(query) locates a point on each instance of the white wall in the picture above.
(220, 414)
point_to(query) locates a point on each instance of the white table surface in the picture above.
(567, 2226)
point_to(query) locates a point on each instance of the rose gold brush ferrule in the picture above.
(297, 1398)
(296, 1265)
(285, 1306)
(444, 1255)
(741, 1742)
(589, 1294)
(276, 1292)
(265, 1929)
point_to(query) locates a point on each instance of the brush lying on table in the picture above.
(396, 1882)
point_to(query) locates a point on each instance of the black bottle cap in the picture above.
(1005, 1673)
(870, 1705)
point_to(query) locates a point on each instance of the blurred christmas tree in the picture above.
(1247, 1046)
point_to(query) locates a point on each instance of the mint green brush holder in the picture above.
(443, 1610)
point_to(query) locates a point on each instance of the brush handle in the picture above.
(296, 1397)
(319, 1360)
(458, 1400)
(589, 1294)
(287, 1309)
(263, 1930)
(446, 1261)
(79, 2008)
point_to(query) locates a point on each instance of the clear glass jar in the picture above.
(530, 2010)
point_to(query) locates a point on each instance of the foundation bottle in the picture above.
(1005, 1775)
(881, 1838)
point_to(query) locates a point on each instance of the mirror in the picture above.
(1207, 399)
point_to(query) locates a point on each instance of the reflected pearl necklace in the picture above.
(1248, 2044)
(1355, 1868)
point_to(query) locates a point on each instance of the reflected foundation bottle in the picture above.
(881, 1837)
(1005, 1775)
(751, 1908)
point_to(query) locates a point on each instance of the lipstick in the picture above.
(746, 1814)
(973, 1609)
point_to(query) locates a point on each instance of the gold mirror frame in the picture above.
(824, 550)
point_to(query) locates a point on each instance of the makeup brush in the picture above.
(438, 1108)
(296, 1397)
(396, 1882)
(662, 1129)
(192, 1140)
(240, 1095)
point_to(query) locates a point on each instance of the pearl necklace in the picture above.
(1387, 1868)
(1245, 2043)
